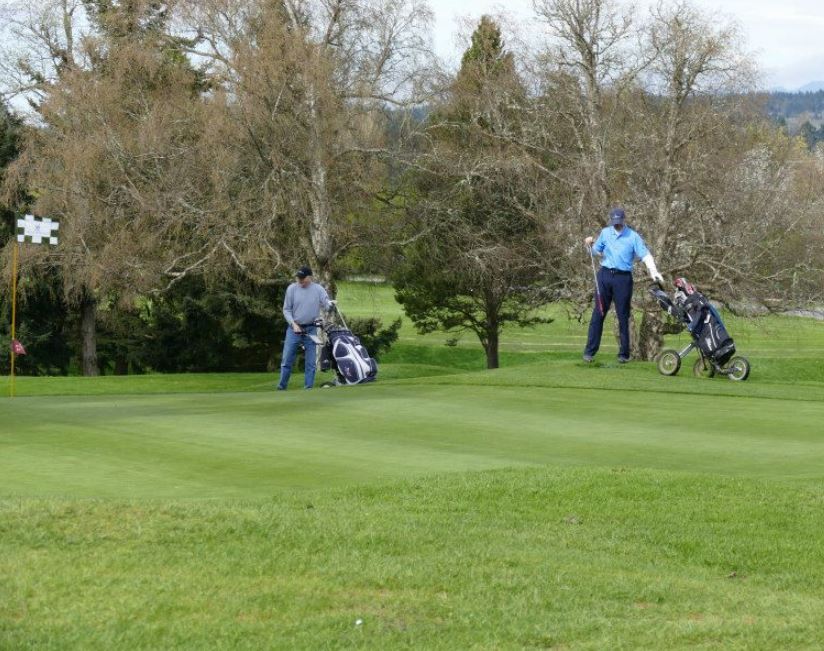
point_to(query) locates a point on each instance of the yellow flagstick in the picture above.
(13, 311)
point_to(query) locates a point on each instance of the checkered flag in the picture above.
(37, 231)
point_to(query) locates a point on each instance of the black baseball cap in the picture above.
(616, 216)
(303, 272)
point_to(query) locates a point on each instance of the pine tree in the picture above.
(477, 258)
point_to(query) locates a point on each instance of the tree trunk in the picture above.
(321, 222)
(88, 335)
(491, 348)
(321, 231)
(320, 243)
(650, 336)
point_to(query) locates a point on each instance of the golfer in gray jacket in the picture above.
(301, 307)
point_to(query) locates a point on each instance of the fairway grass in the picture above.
(548, 504)
(531, 558)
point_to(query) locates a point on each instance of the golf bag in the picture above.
(709, 331)
(702, 320)
(344, 353)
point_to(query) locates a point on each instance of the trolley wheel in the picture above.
(703, 368)
(739, 369)
(669, 362)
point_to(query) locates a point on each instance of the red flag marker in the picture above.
(17, 348)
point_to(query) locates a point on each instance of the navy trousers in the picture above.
(614, 286)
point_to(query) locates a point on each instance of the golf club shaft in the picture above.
(595, 278)
(340, 316)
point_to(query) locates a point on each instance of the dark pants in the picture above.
(614, 286)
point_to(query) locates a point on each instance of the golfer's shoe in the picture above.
(622, 360)
(280, 388)
(587, 358)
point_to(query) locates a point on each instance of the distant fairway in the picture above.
(549, 504)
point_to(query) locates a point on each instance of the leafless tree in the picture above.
(680, 121)
(306, 85)
(590, 61)
(41, 41)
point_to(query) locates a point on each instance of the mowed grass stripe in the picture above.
(257, 444)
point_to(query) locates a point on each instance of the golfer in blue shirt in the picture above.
(619, 247)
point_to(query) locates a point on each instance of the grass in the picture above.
(549, 504)
(537, 558)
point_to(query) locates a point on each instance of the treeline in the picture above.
(196, 152)
(789, 109)
(788, 105)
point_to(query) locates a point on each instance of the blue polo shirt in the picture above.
(619, 249)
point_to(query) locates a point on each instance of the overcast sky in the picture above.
(786, 37)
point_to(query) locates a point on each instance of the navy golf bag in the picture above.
(708, 329)
(345, 354)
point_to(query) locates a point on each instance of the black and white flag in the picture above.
(37, 231)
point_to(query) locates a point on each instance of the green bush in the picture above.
(376, 340)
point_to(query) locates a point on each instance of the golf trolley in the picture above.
(709, 335)
(341, 351)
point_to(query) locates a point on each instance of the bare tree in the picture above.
(307, 85)
(698, 70)
(590, 61)
(41, 41)
(680, 126)
(760, 235)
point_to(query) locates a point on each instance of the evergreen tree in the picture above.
(477, 257)
(811, 135)
(117, 163)
(42, 317)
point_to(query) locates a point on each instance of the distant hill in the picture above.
(812, 87)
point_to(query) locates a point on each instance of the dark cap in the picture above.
(616, 216)
(303, 272)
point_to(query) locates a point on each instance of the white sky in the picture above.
(786, 37)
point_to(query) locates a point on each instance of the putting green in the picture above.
(252, 444)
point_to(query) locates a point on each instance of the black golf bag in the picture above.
(344, 353)
(703, 321)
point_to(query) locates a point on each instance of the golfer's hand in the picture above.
(296, 329)
(658, 278)
(588, 241)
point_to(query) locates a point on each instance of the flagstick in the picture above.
(13, 311)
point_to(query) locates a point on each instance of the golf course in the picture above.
(549, 504)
